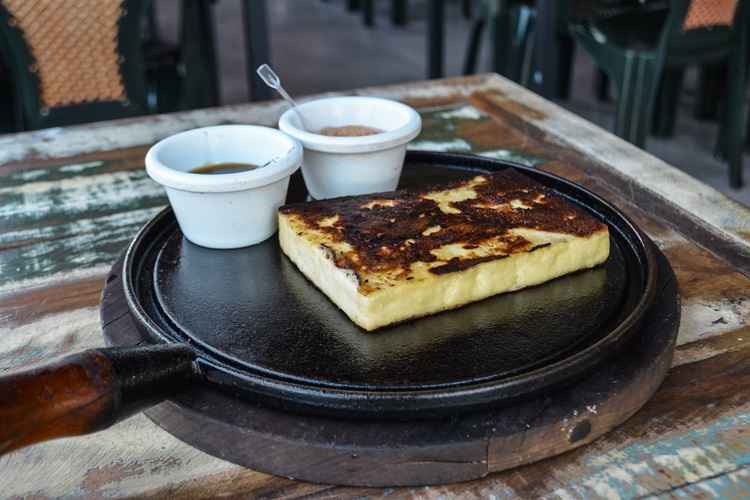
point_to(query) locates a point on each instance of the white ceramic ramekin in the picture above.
(226, 210)
(340, 166)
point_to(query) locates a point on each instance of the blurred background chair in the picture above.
(399, 10)
(642, 52)
(510, 24)
(89, 60)
(512, 34)
(399, 14)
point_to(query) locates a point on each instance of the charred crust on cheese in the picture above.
(537, 247)
(457, 264)
(391, 231)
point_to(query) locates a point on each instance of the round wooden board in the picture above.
(424, 452)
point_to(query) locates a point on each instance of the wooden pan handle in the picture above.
(88, 391)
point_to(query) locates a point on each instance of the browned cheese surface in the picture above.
(392, 231)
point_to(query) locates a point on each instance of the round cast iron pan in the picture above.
(262, 331)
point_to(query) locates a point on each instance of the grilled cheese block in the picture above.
(390, 257)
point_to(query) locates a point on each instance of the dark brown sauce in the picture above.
(223, 168)
(350, 131)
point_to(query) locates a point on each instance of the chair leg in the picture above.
(435, 38)
(636, 98)
(625, 99)
(553, 62)
(201, 83)
(399, 12)
(257, 46)
(500, 27)
(601, 85)
(466, 8)
(565, 52)
(522, 21)
(151, 29)
(546, 62)
(472, 50)
(368, 12)
(667, 101)
(527, 69)
(734, 119)
(711, 84)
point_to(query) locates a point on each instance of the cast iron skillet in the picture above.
(248, 322)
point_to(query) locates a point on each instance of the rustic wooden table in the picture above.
(71, 199)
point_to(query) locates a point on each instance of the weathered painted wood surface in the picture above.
(70, 199)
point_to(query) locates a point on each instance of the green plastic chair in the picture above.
(88, 60)
(641, 51)
(510, 24)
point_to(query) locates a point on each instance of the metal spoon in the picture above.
(272, 80)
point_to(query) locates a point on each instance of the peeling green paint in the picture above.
(76, 197)
(505, 154)
(455, 145)
(67, 246)
(22, 177)
(70, 217)
(731, 485)
(440, 126)
(668, 464)
(440, 129)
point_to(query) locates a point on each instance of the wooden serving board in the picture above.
(435, 451)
